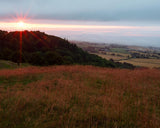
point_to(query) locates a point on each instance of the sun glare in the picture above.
(21, 25)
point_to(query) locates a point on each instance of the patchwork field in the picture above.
(79, 97)
(151, 63)
(139, 62)
(114, 56)
(137, 55)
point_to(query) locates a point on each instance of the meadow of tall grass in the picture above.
(79, 97)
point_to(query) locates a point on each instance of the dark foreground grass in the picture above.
(79, 97)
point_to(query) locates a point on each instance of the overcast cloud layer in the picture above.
(141, 15)
(93, 10)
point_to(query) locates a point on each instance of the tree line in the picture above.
(41, 49)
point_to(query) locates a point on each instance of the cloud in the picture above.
(97, 10)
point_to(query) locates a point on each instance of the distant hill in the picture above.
(41, 49)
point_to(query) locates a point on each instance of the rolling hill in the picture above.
(38, 48)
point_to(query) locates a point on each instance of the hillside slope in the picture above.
(7, 64)
(79, 97)
(41, 49)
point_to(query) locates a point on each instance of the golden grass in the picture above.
(108, 57)
(151, 63)
(79, 97)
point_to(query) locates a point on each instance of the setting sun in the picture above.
(21, 25)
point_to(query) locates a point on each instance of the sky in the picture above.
(132, 22)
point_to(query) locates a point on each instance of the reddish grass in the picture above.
(79, 97)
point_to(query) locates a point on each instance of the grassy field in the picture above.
(114, 56)
(4, 64)
(79, 97)
(119, 50)
(7, 64)
(108, 57)
(151, 63)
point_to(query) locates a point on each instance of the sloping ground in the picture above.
(7, 64)
(41, 49)
(79, 97)
(4, 64)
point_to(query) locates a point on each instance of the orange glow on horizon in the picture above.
(31, 26)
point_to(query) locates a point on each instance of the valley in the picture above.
(137, 55)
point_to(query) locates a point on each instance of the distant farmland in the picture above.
(136, 55)
(151, 63)
(79, 97)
